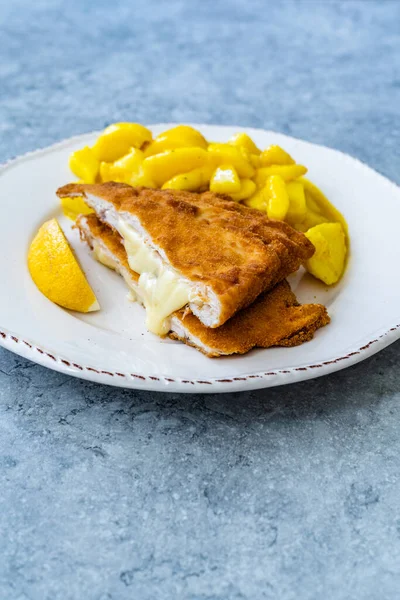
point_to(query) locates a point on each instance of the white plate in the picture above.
(113, 347)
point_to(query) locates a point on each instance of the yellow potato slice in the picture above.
(141, 178)
(247, 189)
(319, 203)
(275, 155)
(328, 261)
(84, 164)
(108, 172)
(123, 169)
(117, 139)
(130, 162)
(72, 207)
(255, 161)
(245, 141)
(162, 167)
(259, 200)
(312, 219)
(272, 198)
(287, 172)
(297, 202)
(278, 199)
(135, 177)
(182, 136)
(225, 180)
(237, 156)
(192, 181)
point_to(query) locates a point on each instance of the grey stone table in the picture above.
(289, 493)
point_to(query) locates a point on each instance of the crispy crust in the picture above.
(234, 250)
(100, 231)
(274, 319)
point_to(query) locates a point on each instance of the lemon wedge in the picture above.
(56, 272)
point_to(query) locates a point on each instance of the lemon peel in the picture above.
(56, 272)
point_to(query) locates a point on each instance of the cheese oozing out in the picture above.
(161, 289)
(102, 257)
(109, 261)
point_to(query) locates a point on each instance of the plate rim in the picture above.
(40, 355)
(161, 383)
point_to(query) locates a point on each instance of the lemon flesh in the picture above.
(56, 272)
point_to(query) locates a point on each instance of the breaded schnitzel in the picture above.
(274, 319)
(202, 251)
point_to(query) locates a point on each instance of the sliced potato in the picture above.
(237, 156)
(328, 261)
(74, 206)
(322, 204)
(108, 172)
(255, 161)
(297, 202)
(84, 164)
(131, 161)
(244, 140)
(287, 172)
(141, 178)
(312, 219)
(225, 180)
(247, 189)
(182, 136)
(162, 167)
(192, 181)
(278, 199)
(275, 155)
(117, 139)
(258, 200)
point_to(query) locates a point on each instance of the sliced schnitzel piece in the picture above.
(203, 251)
(274, 319)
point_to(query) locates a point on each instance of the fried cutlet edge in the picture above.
(187, 228)
(274, 319)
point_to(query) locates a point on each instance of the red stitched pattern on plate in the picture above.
(6, 336)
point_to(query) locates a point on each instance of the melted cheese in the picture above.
(140, 258)
(102, 257)
(111, 263)
(161, 289)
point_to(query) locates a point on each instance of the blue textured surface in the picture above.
(290, 493)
